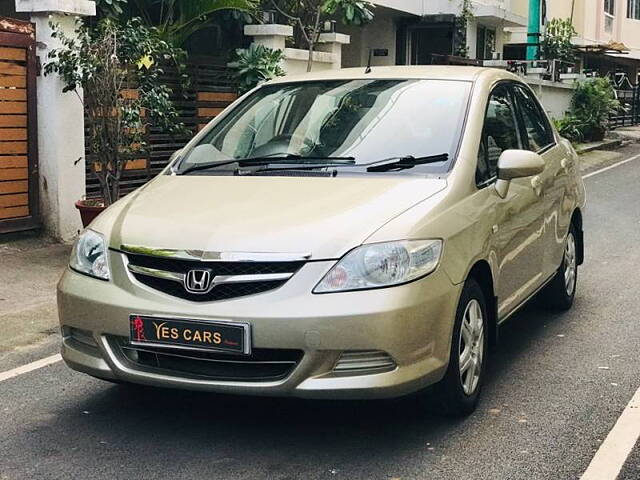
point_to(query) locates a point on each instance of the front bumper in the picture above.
(412, 323)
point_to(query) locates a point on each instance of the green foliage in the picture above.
(177, 20)
(460, 29)
(570, 127)
(351, 12)
(118, 65)
(556, 43)
(110, 8)
(308, 16)
(592, 103)
(255, 65)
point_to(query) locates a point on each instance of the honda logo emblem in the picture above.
(198, 281)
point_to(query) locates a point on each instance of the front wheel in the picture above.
(459, 390)
(561, 290)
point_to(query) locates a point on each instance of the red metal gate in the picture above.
(18, 127)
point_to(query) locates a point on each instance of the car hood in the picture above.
(323, 217)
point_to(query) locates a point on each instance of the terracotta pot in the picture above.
(88, 211)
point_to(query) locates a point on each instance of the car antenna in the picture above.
(368, 69)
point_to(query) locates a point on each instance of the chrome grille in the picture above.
(229, 279)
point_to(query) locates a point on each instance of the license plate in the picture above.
(191, 334)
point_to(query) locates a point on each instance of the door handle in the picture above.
(536, 183)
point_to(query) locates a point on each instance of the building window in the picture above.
(633, 9)
(609, 8)
(485, 43)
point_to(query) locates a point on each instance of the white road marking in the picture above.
(29, 367)
(602, 170)
(614, 451)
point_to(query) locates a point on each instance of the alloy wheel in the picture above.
(570, 264)
(471, 347)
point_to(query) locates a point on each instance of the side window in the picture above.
(537, 129)
(500, 132)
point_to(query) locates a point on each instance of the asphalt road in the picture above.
(556, 386)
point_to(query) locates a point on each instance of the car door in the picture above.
(518, 219)
(554, 180)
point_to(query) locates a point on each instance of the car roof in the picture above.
(433, 72)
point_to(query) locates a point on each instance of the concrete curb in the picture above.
(607, 144)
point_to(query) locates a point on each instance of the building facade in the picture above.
(419, 32)
(408, 32)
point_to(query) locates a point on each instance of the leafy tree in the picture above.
(556, 43)
(118, 65)
(308, 16)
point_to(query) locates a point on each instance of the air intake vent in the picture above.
(364, 361)
(263, 365)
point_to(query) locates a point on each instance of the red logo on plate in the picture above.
(138, 326)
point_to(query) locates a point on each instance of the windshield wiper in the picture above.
(408, 161)
(289, 158)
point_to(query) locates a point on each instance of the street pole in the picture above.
(533, 32)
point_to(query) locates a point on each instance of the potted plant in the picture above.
(255, 65)
(118, 66)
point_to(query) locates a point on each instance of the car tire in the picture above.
(559, 293)
(459, 390)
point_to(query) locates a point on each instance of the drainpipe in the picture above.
(533, 33)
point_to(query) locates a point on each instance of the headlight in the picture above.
(382, 265)
(89, 255)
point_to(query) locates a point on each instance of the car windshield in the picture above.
(364, 120)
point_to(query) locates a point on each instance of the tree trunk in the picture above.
(313, 38)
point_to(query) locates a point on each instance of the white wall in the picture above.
(380, 34)
(555, 97)
(295, 61)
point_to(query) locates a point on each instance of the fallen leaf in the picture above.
(494, 411)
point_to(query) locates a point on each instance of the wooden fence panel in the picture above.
(18, 127)
(210, 90)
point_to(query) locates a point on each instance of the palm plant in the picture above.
(176, 20)
(256, 65)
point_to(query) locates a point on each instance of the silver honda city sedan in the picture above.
(340, 234)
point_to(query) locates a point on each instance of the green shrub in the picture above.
(570, 127)
(592, 103)
(256, 65)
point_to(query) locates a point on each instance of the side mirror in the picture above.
(519, 163)
(516, 164)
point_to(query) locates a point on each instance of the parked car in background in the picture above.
(341, 234)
